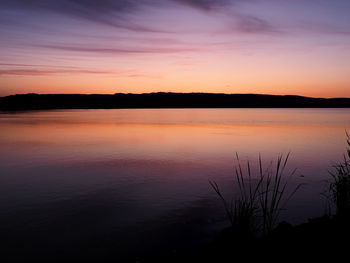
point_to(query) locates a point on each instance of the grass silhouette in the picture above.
(340, 186)
(260, 198)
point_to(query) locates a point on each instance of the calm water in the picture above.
(136, 181)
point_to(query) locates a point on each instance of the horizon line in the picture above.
(170, 92)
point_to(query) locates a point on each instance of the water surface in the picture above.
(136, 181)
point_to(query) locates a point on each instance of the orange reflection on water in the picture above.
(196, 134)
(161, 159)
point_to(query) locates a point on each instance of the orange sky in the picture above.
(270, 47)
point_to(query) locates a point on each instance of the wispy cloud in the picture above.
(254, 25)
(35, 65)
(39, 72)
(106, 12)
(243, 22)
(19, 69)
(121, 50)
(127, 14)
(207, 5)
(323, 28)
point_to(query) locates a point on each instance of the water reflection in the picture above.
(103, 174)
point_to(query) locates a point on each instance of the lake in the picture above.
(129, 183)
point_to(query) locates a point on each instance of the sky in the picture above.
(299, 47)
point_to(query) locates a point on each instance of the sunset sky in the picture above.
(232, 46)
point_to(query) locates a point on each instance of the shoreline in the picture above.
(164, 100)
(325, 234)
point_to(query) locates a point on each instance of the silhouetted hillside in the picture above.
(165, 100)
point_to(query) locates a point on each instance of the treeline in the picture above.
(164, 100)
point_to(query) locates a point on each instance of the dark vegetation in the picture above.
(260, 199)
(339, 188)
(164, 100)
(325, 237)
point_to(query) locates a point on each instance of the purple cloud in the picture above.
(106, 12)
(206, 5)
(254, 25)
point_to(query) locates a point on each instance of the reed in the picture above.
(340, 186)
(260, 198)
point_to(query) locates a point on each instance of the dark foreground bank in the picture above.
(325, 237)
(164, 100)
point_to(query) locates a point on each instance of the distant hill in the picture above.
(164, 100)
